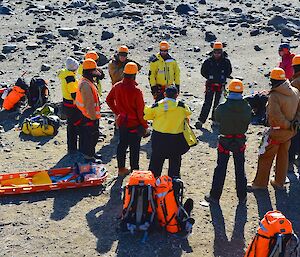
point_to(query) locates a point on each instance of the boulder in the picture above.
(65, 32)
(186, 9)
(9, 48)
(209, 36)
(107, 35)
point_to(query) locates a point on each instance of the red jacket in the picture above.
(126, 100)
(286, 64)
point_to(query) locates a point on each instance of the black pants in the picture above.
(167, 146)
(89, 133)
(133, 141)
(73, 115)
(210, 96)
(220, 174)
(294, 148)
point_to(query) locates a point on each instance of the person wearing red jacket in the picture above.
(286, 60)
(126, 100)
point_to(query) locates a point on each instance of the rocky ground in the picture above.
(37, 36)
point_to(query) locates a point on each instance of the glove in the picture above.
(102, 75)
(155, 91)
(295, 125)
(147, 133)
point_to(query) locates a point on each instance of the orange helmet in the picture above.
(91, 55)
(296, 60)
(123, 49)
(89, 64)
(218, 46)
(278, 74)
(236, 86)
(164, 45)
(131, 68)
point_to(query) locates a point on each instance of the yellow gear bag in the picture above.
(189, 134)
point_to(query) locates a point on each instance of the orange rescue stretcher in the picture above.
(86, 175)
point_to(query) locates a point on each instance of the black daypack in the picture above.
(38, 92)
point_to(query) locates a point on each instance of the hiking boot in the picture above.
(251, 187)
(276, 186)
(297, 162)
(199, 124)
(210, 199)
(123, 172)
(92, 160)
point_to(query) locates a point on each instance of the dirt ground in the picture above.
(84, 222)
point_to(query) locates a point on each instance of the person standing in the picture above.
(94, 56)
(117, 64)
(87, 101)
(283, 116)
(216, 69)
(164, 72)
(234, 117)
(69, 86)
(167, 141)
(286, 59)
(295, 142)
(127, 102)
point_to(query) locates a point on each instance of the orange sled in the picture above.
(86, 175)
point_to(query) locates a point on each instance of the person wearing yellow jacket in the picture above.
(94, 56)
(164, 72)
(69, 86)
(167, 139)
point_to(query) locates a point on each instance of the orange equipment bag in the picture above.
(274, 237)
(14, 96)
(171, 214)
(138, 202)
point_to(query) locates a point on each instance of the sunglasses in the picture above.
(164, 51)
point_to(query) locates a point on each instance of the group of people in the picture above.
(81, 104)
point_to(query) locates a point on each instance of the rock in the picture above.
(116, 4)
(45, 36)
(9, 48)
(169, 7)
(21, 38)
(209, 36)
(102, 60)
(257, 48)
(2, 57)
(40, 29)
(45, 67)
(202, 1)
(183, 32)
(138, 1)
(197, 49)
(65, 32)
(277, 22)
(237, 10)
(288, 32)
(4, 10)
(32, 46)
(254, 32)
(77, 4)
(276, 8)
(106, 35)
(186, 9)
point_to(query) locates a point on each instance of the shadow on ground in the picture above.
(104, 223)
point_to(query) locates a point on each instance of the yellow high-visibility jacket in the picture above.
(168, 115)
(163, 72)
(69, 83)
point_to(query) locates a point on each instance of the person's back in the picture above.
(282, 108)
(233, 116)
(168, 116)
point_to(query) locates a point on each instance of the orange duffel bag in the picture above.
(274, 237)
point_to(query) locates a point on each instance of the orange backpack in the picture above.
(171, 214)
(273, 237)
(138, 202)
(15, 95)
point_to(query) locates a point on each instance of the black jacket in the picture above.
(216, 71)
